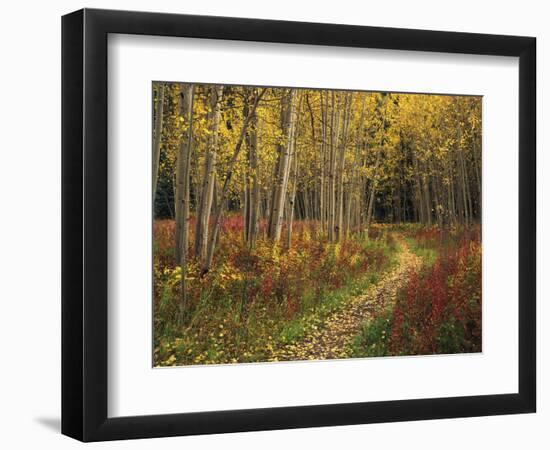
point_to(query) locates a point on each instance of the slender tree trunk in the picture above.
(334, 138)
(182, 192)
(462, 176)
(317, 215)
(468, 192)
(477, 170)
(436, 195)
(372, 194)
(427, 200)
(210, 161)
(246, 206)
(341, 168)
(254, 202)
(247, 177)
(157, 137)
(322, 161)
(419, 197)
(285, 157)
(292, 197)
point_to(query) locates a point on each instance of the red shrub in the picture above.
(439, 311)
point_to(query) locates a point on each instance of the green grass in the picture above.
(373, 338)
(426, 254)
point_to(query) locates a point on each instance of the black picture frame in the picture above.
(84, 224)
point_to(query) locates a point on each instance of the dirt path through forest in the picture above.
(332, 339)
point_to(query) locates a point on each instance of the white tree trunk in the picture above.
(182, 193)
(157, 137)
(280, 192)
(207, 191)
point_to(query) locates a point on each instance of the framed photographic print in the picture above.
(274, 224)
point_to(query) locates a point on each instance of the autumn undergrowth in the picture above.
(438, 311)
(253, 301)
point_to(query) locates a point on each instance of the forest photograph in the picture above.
(294, 224)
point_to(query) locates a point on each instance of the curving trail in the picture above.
(332, 339)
